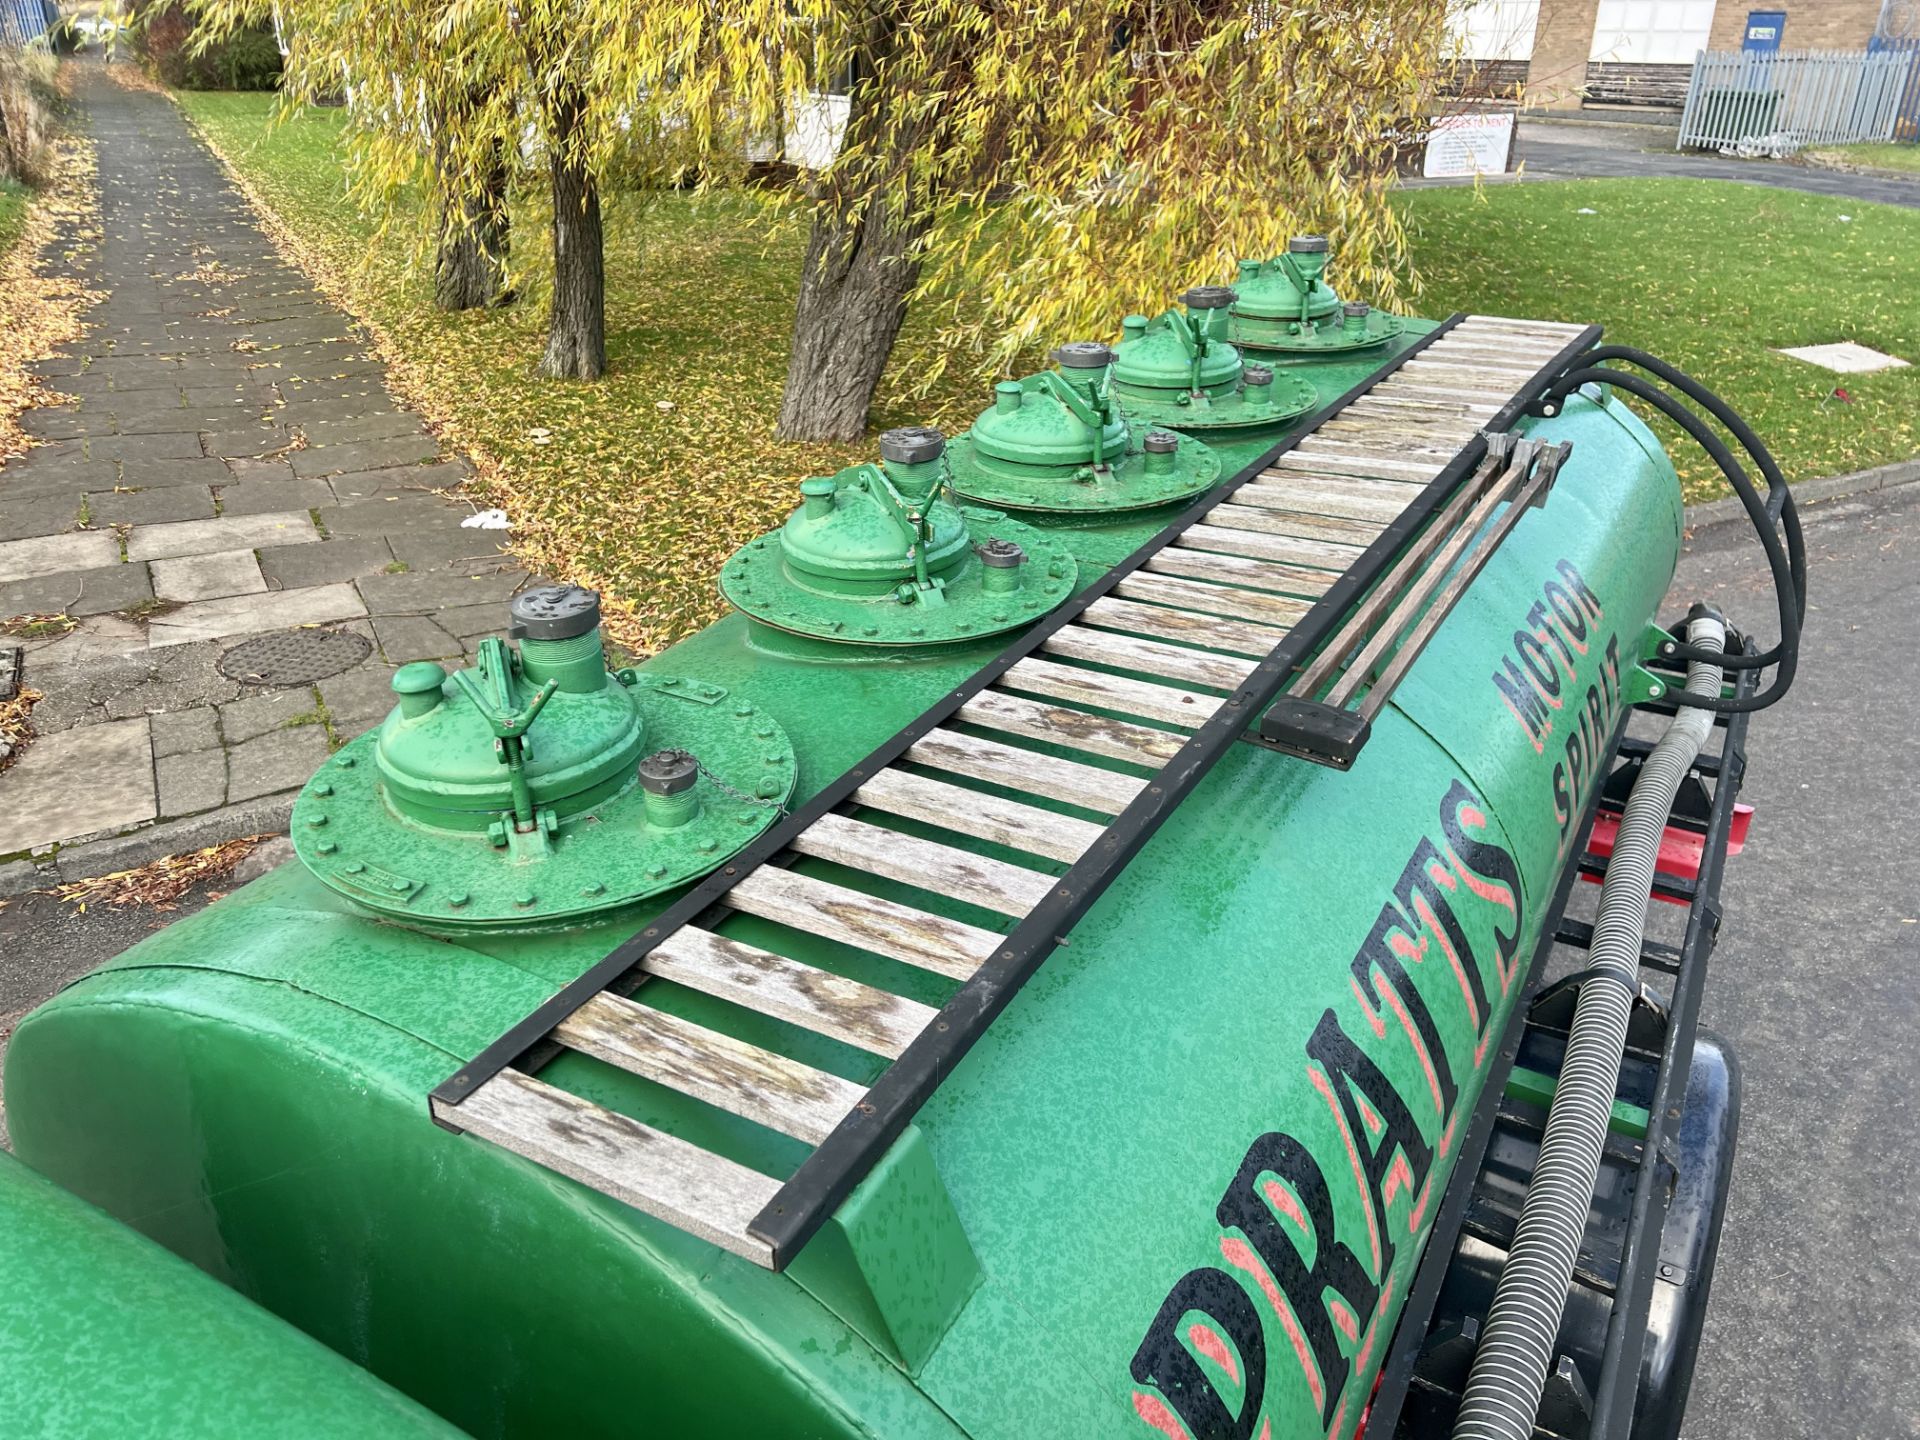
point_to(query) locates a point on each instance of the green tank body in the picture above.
(104, 1334)
(1182, 1181)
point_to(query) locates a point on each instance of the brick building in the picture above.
(1566, 53)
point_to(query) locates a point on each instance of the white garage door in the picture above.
(1651, 32)
(1494, 29)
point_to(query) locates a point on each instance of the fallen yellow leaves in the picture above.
(39, 313)
(162, 883)
(16, 725)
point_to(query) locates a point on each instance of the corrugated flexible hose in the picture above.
(1516, 1344)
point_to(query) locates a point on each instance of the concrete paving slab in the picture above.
(358, 700)
(208, 577)
(260, 497)
(421, 592)
(182, 731)
(255, 715)
(291, 567)
(97, 637)
(97, 591)
(39, 514)
(278, 761)
(207, 537)
(78, 782)
(191, 782)
(50, 554)
(148, 507)
(404, 638)
(254, 614)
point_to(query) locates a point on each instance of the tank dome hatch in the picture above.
(1179, 370)
(884, 555)
(527, 788)
(1285, 306)
(1062, 441)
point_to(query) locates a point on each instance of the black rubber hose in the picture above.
(1758, 511)
(1788, 648)
(1777, 488)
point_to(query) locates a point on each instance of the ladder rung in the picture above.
(1231, 602)
(1354, 535)
(1087, 786)
(817, 1000)
(1293, 495)
(1362, 464)
(705, 1194)
(1452, 430)
(985, 817)
(1405, 442)
(1071, 729)
(739, 1078)
(1237, 637)
(1254, 545)
(975, 879)
(866, 922)
(1476, 402)
(1116, 693)
(1269, 575)
(1470, 368)
(1150, 657)
(1565, 329)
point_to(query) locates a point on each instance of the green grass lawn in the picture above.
(642, 483)
(1712, 277)
(1888, 156)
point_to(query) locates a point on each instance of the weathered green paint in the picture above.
(1059, 441)
(1178, 370)
(1285, 306)
(248, 1084)
(881, 555)
(506, 795)
(105, 1335)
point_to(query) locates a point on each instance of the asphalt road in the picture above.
(1567, 150)
(1811, 1330)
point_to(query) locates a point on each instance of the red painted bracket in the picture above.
(1681, 851)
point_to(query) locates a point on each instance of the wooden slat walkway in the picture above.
(1076, 727)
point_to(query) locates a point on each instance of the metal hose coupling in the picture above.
(1511, 1363)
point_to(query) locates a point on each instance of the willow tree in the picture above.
(431, 106)
(1042, 169)
(466, 98)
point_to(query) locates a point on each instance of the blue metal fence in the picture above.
(1906, 120)
(23, 22)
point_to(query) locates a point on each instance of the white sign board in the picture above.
(1469, 144)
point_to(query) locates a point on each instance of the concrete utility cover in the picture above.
(1845, 358)
(74, 782)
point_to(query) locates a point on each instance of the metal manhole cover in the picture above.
(295, 657)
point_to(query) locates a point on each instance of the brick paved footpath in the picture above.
(230, 464)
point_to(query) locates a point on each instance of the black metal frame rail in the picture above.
(826, 1176)
(1619, 1381)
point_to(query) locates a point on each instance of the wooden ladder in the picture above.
(1133, 687)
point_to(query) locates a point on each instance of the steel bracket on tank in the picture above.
(1640, 685)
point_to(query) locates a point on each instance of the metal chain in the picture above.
(778, 807)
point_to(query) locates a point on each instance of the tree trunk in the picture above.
(469, 270)
(577, 321)
(854, 286)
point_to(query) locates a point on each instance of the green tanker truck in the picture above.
(1072, 955)
(104, 1334)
